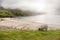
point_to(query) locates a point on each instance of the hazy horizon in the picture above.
(50, 7)
(47, 6)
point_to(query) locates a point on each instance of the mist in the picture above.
(47, 6)
(1, 2)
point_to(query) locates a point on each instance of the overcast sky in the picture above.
(34, 5)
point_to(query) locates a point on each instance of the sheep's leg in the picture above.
(46, 29)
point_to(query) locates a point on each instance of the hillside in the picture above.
(5, 13)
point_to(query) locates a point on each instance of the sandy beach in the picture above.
(12, 23)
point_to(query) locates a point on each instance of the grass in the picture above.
(29, 35)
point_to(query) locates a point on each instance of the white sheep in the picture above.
(43, 27)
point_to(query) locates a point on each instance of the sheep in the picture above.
(43, 27)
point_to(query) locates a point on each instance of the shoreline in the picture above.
(12, 23)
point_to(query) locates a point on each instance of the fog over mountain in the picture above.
(1, 2)
(47, 6)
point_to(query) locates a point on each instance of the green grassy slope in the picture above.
(16, 12)
(5, 13)
(29, 35)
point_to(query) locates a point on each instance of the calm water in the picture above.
(49, 19)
